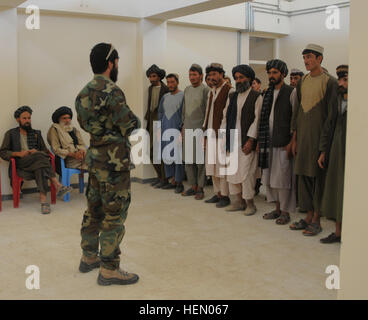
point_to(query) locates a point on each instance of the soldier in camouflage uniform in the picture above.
(103, 113)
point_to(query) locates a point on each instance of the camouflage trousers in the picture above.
(108, 197)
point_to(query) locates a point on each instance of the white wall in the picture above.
(54, 64)
(187, 45)
(228, 17)
(310, 28)
(8, 79)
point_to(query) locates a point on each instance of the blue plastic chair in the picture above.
(66, 174)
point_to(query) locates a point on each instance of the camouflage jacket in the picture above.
(102, 112)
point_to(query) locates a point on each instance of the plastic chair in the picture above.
(1, 201)
(66, 174)
(17, 181)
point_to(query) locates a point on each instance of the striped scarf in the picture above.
(264, 129)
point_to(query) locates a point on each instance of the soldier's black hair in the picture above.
(98, 57)
(257, 80)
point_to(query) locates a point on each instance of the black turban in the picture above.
(155, 69)
(20, 110)
(279, 65)
(60, 112)
(245, 70)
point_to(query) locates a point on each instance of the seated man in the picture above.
(31, 155)
(66, 141)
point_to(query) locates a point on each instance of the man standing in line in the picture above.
(216, 103)
(312, 125)
(155, 92)
(275, 143)
(170, 115)
(333, 196)
(256, 85)
(103, 113)
(195, 100)
(242, 113)
(295, 76)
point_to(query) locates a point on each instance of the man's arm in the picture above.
(332, 110)
(253, 129)
(81, 144)
(330, 122)
(122, 116)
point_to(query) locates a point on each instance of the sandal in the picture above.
(301, 225)
(199, 195)
(45, 208)
(312, 229)
(272, 215)
(63, 191)
(284, 219)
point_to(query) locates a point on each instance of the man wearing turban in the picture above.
(26, 145)
(274, 141)
(332, 203)
(216, 103)
(66, 141)
(312, 125)
(155, 92)
(242, 114)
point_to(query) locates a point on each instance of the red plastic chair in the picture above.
(1, 201)
(17, 181)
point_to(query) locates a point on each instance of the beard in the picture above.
(242, 86)
(26, 127)
(343, 90)
(114, 74)
(66, 127)
(273, 82)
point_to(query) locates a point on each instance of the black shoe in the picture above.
(156, 182)
(331, 239)
(179, 188)
(160, 184)
(214, 199)
(224, 202)
(169, 186)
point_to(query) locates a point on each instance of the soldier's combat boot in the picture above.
(108, 277)
(87, 264)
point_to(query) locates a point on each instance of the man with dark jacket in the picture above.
(275, 143)
(155, 92)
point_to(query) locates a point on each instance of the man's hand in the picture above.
(32, 151)
(247, 149)
(293, 144)
(20, 154)
(289, 151)
(321, 160)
